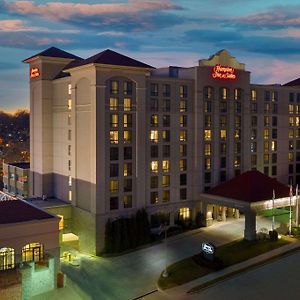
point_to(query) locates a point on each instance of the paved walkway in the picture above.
(180, 292)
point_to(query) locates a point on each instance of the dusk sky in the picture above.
(265, 35)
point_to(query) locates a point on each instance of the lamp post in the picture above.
(273, 215)
(165, 272)
(290, 221)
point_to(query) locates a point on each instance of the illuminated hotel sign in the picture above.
(34, 73)
(223, 72)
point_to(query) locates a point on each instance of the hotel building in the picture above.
(110, 134)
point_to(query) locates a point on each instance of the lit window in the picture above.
(291, 108)
(113, 103)
(237, 161)
(127, 201)
(237, 134)
(182, 165)
(127, 104)
(127, 120)
(253, 95)
(114, 120)
(33, 252)
(291, 121)
(274, 96)
(127, 87)
(266, 121)
(154, 136)
(182, 136)
(183, 120)
(237, 94)
(154, 120)
(69, 104)
(70, 181)
(127, 169)
(114, 186)
(207, 106)
(291, 157)
(207, 121)
(114, 137)
(70, 195)
(166, 165)
(182, 149)
(208, 92)
(69, 119)
(266, 107)
(154, 166)
(253, 147)
(7, 258)
(266, 133)
(291, 145)
(297, 121)
(291, 133)
(266, 146)
(223, 93)
(166, 196)
(207, 135)
(166, 180)
(274, 146)
(183, 91)
(69, 89)
(207, 163)
(166, 135)
(182, 105)
(184, 213)
(266, 158)
(207, 149)
(223, 134)
(114, 87)
(127, 136)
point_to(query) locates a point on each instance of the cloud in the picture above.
(60, 11)
(111, 33)
(22, 26)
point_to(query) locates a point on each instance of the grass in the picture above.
(281, 214)
(187, 270)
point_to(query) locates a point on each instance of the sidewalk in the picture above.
(182, 290)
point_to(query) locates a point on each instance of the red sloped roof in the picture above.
(14, 211)
(251, 186)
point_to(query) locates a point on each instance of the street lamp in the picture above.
(165, 272)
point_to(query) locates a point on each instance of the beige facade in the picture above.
(111, 136)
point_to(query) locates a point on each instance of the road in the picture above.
(128, 276)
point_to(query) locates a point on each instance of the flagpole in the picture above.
(273, 216)
(290, 223)
(297, 207)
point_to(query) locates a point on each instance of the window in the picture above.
(69, 150)
(238, 107)
(274, 121)
(208, 92)
(266, 108)
(207, 149)
(254, 108)
(114, 87)
(127, 87)
(183, 120)
(166, 150)
(274, 158)
(291, 169)
(127, 120)
(223, 107)
(182, 105)
(113, 103)
(166, 120)
(275, 108)
(237, 134)
(166, 105)
(127, 169)
(127, 134)
(238, 121)
(166, 135)
(127, 185)
(182, 149)
(154, 182)
(114, 120)
(253, 160)
(33, 252)
(154, 120)
(154, 151)
(274, 96)
(266, 171)
(127, 153)
(69, 104)
(182, 136)
(253, 95)
(266, 158)
(223, 94)
(274, 145)
(291, 157)
(223, 148)
(291, 121)
(274, 133)
(114, 203)
(223, 134)
(237, 94)
(182, 165)
(297, 121)
(154, 136)
(183, 194)
(223, 162)
(223, 121)
(266, 134)
(113, 186)
(291, 145)
(291, 133)
(207, 134)
(69, 119)
(253, 147)
(291, 97)
(267, 95)
(114, 170)
(266, 121)
(291, 108)
(114, 153)
(166, 90)
(253, 121)
(166, 196)
(223, 176)
(166, 180)
(69, 134)
(183, 91)
(266, 146)
(127, 104)
(207, 121)
(207, 177)
(237, 161)
(274, 170)
(127, 201)
(69, 89)
(207, 107)
(207, 163)
(166, 166)
(69, 165)
(153, 104)
(154, 166)
(154, 89)
(114, 137)
(154, 197)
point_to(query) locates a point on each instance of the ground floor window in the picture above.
(33, 252)
(7, 258)
(184, 213)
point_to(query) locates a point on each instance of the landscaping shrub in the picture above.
(273, 235)
(216, 264)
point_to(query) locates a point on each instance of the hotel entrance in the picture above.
(7, 258)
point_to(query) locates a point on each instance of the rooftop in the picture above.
(295, 82)
(15, 211)
(22, 165)
(251, 186)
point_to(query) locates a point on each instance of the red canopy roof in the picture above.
(14, 211)
(251, 186)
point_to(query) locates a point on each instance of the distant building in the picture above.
(111, 134)
(16, 179)
(29, 250)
